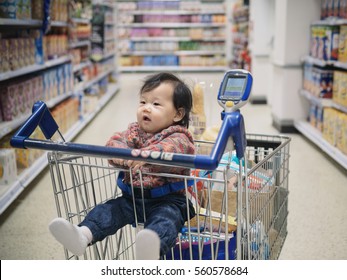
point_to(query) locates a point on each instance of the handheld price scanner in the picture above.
(235, 89)
(233, 93)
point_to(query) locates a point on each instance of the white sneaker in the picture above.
(147, 245)
(69, 235)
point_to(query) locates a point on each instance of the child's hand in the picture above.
(117, 162)
(135, 165)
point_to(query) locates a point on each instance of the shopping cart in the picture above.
(238, 185)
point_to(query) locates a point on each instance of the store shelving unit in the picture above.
(103, 31)
(314, 135)
(8, 193)
(241, 56)
(172, 35)
(34, 68)
(304, 126)
(79, 34)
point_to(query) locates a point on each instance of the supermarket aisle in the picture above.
(317, 222)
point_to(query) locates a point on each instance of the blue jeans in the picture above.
(165, 215)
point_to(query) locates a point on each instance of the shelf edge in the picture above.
(315, 136)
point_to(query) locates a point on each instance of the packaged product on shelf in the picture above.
(90, 103)
(59, 10)
(1, 117)
(31, 50)
(53, 84)
(324, 42)
(313, 115)
(24, 9)
(66, 114)
(136, 60)
(308, 83)
(337, 83)
(8, 166)
(20, 53)
(341, 121)
(103, 83)
(29, 94)
(319, 118)
(38, 43)
(123, 33)
(343, 9)
(329, 125)
(327, 8)
(76, 56)
(25, 52)
(9, 101)
(342, 56)
(125, 61)
(197, 124)
(66, 76)
(46, 86)
(23, 157)
(14, 47)
(37, 9)
(6, 10)
(27, 157)
(54, 77)
(336, 8)
(5, 54)
(16, 56)
(22, 101)
(196, 33)
(37, 88)
(340, 88)
(59, 116)
(60, 81)
(220, 18)
(343, 147)
(18, 96)
(323, 10)
(15, 9)
(70, 76)
(74, 111)
(189, 5)
(319, 81)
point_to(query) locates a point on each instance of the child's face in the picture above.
(156, 110)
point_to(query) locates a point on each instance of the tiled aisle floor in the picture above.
(317, 222)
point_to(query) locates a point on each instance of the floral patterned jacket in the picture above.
(175, 139)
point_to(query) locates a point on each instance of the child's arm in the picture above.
(177, 143)
(118, 140)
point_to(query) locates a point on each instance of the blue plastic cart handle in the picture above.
(232, 126)
(41, 116)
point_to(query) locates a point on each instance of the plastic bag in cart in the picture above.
(256, 180)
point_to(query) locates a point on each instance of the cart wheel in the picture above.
(147, 245)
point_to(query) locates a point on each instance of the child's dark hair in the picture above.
(182, 96)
